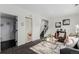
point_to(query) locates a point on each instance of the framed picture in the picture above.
(66, 22)
(58, 24)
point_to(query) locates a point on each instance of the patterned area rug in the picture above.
(47, 48)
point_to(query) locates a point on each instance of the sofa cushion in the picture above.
(72, 41)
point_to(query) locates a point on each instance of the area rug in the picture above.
(46, 48)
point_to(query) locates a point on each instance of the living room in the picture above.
(46, 20)
(39, 29)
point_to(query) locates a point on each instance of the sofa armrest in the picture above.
(69, 51)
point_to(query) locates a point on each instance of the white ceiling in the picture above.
(51, 9)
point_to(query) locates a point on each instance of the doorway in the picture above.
(44, 28)
(28, 22)
(8, 31)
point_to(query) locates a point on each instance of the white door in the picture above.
(28, 22)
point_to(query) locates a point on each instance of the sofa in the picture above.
(69, 51)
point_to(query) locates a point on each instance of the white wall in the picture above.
(74, 19)
(22, 13)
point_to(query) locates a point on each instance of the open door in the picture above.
(8, 31)
(28, 22)
(44, 28)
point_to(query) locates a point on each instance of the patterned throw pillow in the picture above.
(69, 42)
(72, 41)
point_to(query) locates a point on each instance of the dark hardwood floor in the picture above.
(23, 49)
